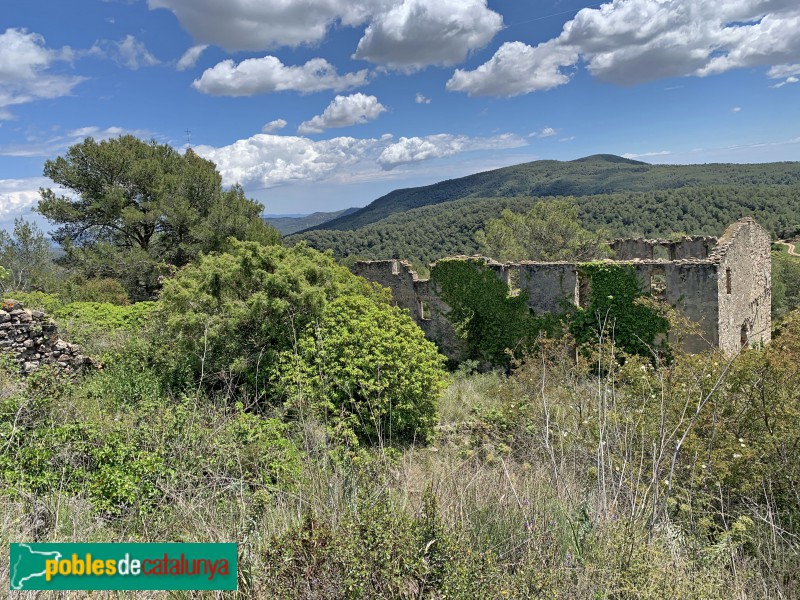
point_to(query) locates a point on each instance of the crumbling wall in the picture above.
(723, 286)
(32, 340)
(630, 249)
(692, 247)
(550, 286)
(744, 286)
(416, 295)
(399, 277)
(646, 249)
(691, 287)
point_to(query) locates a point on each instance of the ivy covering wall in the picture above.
(612, 310)
(484, 313)
(492, 321)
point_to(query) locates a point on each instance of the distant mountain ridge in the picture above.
(591, 175)
(290, 224)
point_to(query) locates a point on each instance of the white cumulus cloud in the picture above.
(543, 133)
(401, 34)
(417, 33)
(263, 24)
(131, 53)
(274, 126)
(416, 149)
(127, 52)
(421, 99)
(269, 160)
(25, 74)
(190, 57)
(268, 74)
(266, 160)
(517, 68)
(633, 41)
(789, 73)
(344, 111)
(18, 196)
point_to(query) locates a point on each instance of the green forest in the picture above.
(249, 388)
(428, 233)
(590, 176)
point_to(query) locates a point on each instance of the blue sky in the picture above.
(324, 104)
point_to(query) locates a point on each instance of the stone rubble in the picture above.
(32, 340)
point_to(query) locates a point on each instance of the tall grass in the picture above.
(569, 479)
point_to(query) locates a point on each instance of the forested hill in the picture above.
(287, 225)
(598, 174)
(427, 233)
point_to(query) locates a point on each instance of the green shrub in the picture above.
(103, 290)
(227, 318)
(369, 368)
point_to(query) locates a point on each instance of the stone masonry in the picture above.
(32, 340)
(723, 285)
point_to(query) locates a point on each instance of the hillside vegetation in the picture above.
(599, 174)
(269, 397)
(425, 234)
(565, 479)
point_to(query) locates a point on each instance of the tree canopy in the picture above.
(548, 231)
(137, 207)
(25, 255)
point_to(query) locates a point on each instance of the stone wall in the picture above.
(548, 285)
(419, 298)
(744, 286)
(32, 340)
(723, 286)
(645, 249)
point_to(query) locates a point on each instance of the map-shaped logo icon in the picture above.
(28, 565)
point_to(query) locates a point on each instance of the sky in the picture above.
(324, 104)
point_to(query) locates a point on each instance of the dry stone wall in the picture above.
(723, 286)
(31, 339)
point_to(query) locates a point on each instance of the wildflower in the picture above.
(737, 455)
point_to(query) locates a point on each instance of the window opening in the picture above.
(424, 310)
(658, 283)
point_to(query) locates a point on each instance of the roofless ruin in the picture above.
(722, 284)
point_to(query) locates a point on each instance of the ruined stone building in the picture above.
(723, 285)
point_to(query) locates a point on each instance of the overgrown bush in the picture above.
(368, 368)
(227, 318)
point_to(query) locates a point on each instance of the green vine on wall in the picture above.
(612, 309)
(492, 321)
(484, 313)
